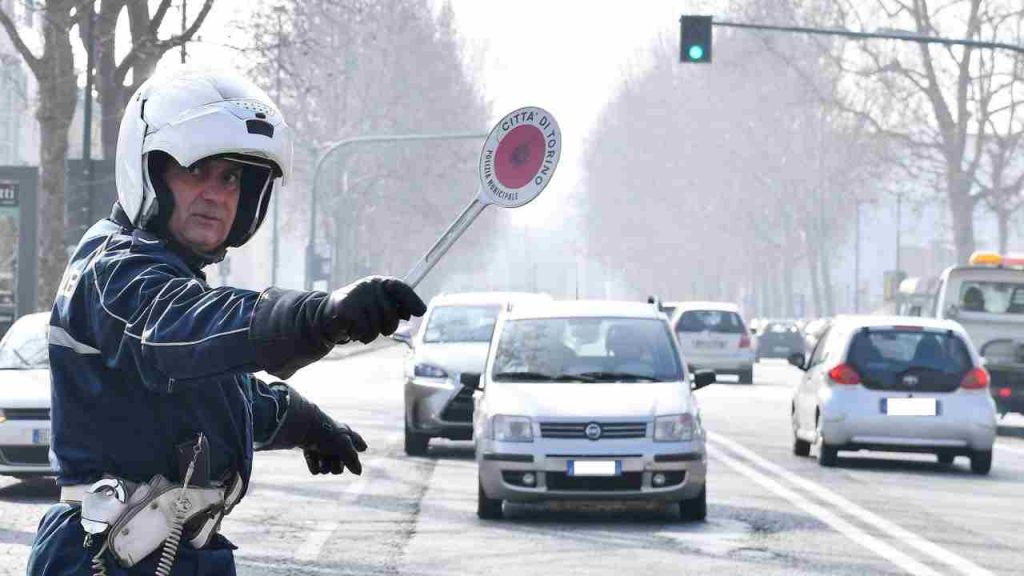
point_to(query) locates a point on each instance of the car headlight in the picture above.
(512, 428)
(428, 371)
(3, 418)
(674, 428)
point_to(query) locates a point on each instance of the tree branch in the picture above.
(148, 47)
(34, 63)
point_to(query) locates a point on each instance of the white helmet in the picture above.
(191, 115)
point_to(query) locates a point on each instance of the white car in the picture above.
(451, 343)
(897, 384)
(588, 400)
(713, 336)
(25, 398)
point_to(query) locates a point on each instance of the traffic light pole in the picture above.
(332, 147)
(904, 36)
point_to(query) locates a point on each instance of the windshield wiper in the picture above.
(529, 376)
(619, 376)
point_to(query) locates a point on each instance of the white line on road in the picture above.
(1017, 451)
(318, 536)
(951, 559)
(897, 557)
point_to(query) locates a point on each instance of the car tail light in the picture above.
(1004, 392)
(844, 374)
(976, 379)
(744, 341)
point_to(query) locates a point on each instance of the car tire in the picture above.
(747, 376)
(695, 509)
(801, 447)
(945, 458)
(415, 444)
(981, 462)
(487, 508)
(828, 455)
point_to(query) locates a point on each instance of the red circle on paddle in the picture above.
(519, 156)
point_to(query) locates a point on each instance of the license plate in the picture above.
(594, 467)
(708, 344)
(781, 349)
(910, 406)
(41, 436)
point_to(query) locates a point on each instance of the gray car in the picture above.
(449, 348)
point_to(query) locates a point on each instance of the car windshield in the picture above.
(25, 347)
(461, 324)
(717, 321)
(887, 358)
(992, 297)
(586, 350)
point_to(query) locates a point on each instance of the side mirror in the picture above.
(470, 381)
(753, 331)
(797, 360)
(403, 335)
(703, 378)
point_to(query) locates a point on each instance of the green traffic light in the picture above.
(696, 52)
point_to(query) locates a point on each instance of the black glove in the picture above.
(293, 328)
(369, 308)
(329, 446)
(332, 447)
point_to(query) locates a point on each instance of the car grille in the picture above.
(460, 407)
(25, 455)
(27, 413)
(609, 430)
(627, 481)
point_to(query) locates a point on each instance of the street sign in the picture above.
(516, 164)
(8, 194)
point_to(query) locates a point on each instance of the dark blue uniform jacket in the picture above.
(145, 355)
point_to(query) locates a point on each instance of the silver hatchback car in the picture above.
(451, 345)
(895, 384)
(589, 400)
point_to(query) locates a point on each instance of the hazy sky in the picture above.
(568, 56)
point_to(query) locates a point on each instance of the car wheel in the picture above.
(945, 458)
(695, 509)
(415, 444)
(981, 462)
(747, 376)
(487, 508)
(828, 455)
(800, 447)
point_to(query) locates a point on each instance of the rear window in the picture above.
(909, 360)
(992, 297)
(712, 321)
(449, 324)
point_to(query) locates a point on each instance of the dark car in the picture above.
(779, 340)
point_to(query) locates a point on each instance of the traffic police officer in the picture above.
(155, 410)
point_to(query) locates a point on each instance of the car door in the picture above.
(807, 397)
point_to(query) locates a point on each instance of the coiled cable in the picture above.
(173, 540)
(99, 567)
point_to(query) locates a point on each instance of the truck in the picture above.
(987, 298)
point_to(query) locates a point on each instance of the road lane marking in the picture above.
(951, 559)
(1017, 451)
(321, 533)
(840, 525)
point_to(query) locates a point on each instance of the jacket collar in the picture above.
(196, 261)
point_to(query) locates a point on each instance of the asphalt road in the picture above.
(769, 511)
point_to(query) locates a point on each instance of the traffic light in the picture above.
(696, 39)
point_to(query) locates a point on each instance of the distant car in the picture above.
(589, 400)
(779, 339)
(714, 336)
(25, 398)
(896, 384)
(451, 343)
(812, 330)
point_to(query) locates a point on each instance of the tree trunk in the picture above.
(962, 212)
(57, 99)
(1003, 220)
(812, 268)
(826, 283)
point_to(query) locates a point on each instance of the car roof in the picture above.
(704, 305)
(865, 321)
(584, 309)
(486, 298)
